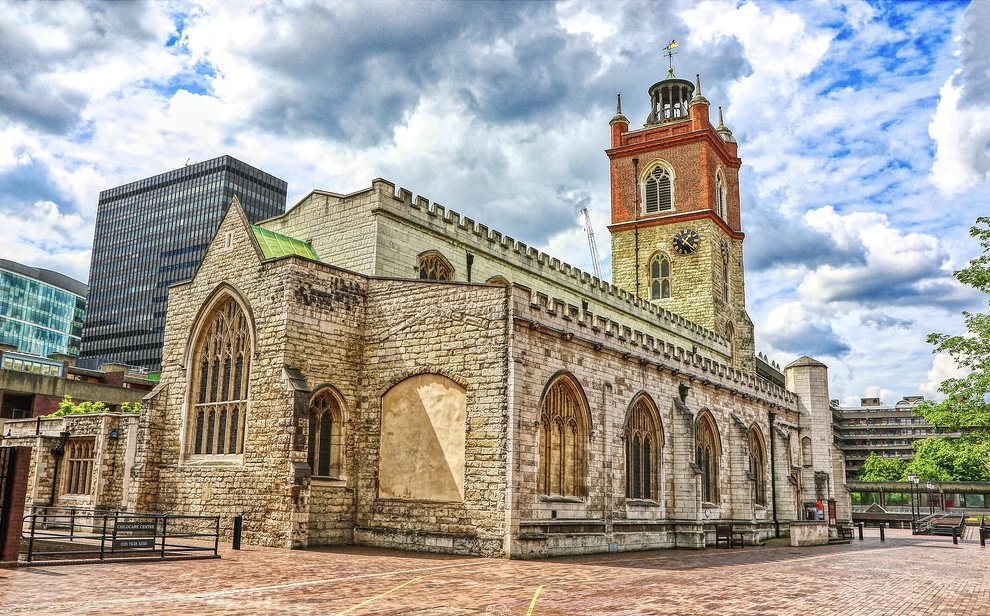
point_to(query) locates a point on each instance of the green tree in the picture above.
(68, 407)
(966, 404)
(940, 458)
(877, 468)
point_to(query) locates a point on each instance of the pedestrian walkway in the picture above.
(905, 575)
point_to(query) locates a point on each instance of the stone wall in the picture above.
(613, 369)
(457, 331)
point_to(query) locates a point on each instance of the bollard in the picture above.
(238, 523)
(881, 531)
(860, 528)
(983, 531)
(955, 536)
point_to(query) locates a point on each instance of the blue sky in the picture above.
(863, 129)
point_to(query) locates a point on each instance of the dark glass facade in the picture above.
(151, 234)
(41, 311)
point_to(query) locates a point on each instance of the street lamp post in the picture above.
(913, 480)
(931, 505)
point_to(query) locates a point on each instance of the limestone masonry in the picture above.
(376, 369)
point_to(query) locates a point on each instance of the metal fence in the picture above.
(57, 535)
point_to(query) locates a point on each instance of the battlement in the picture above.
(665, 353)
(483, 240)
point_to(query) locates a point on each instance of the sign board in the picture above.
(133, 544)
(129, 526)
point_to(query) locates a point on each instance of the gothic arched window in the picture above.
(707, 455)
(644, 442)
(219, 383)
(563, 439)
(720, 196)
(725, 278)
(433, 266)
(660, 277)
(758, 466)
(659, 189)
(325, 435)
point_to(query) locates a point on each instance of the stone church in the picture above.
(376, 369)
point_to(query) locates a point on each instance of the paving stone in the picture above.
(904, 575)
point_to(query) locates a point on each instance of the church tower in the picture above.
(677, 238)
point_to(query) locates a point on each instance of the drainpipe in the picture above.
(773, 476)
(635, 162)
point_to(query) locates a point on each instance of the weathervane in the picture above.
(670, 53)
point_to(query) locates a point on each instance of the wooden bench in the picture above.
(845, 531)
(725, 534)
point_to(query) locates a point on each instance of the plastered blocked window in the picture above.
(421, 454)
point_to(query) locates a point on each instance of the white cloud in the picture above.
(962, 137)
(896, 263)
(943, 367)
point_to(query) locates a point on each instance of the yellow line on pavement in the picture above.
(387, 592)
(532, 603)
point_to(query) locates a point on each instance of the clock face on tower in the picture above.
(686, 241)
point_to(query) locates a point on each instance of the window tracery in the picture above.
(563, 438)
(222, 366)
(644, 441)
(325, 435)
(433, 266)
(707, 455)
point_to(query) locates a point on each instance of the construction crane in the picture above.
(595, 259)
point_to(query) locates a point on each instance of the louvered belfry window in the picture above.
(659, 191)
(223, 362)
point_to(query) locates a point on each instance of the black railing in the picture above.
(54, 535)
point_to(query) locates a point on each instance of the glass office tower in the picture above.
(153, 233)
(41, 311)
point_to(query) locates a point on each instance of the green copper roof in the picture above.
(275, 245)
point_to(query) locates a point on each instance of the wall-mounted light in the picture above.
(113, 433)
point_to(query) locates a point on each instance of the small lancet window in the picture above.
(720, 194)
(325, 435)
(660, 277)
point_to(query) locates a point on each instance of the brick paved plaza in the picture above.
(905, 575)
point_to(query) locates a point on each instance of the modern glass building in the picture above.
(151, 234)
(41, 311)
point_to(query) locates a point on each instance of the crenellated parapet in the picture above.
(534, 264)
(634, 342)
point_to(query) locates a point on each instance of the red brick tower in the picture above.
(676, 233)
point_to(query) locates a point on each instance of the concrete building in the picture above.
(41, 311)
(32, 385)
(888, 430)
(373, 368)
(152, 233)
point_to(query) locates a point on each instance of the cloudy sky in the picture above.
(863, 129)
